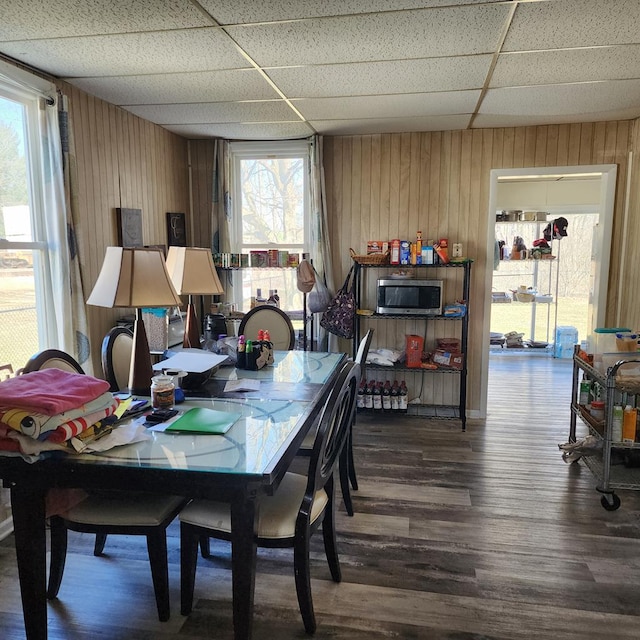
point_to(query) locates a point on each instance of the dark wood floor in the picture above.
(486, 534)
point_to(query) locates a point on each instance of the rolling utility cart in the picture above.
(618, 465)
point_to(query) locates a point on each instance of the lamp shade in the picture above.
(133, 278)
(192, 272)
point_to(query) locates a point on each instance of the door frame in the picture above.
(608, 174)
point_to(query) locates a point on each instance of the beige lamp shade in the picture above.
(192, 272)
(133, 278)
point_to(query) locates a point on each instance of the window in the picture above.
(270, 186)
(24, 288)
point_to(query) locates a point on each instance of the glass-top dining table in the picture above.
(237, 467)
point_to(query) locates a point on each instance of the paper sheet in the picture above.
(244, 384)
(192, 361)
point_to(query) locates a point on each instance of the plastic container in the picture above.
(156, 326)
(603, 341)
(597, 410)
(565, 340)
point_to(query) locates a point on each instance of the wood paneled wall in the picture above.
(391, 185)
(122, 161)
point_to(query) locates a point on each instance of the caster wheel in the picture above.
(610, 502)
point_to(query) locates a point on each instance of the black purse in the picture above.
(339, 318)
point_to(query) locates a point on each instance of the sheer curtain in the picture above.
(61, 212)
(320, 247)
(222, 209)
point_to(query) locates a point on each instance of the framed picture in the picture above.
(129, 222)
(176, 230)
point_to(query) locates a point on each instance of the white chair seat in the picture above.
(277, 514)
(136, 510)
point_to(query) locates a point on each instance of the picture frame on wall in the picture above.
(129, 223)
(176, 230)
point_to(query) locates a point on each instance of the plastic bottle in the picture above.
(386, 397)
(403, 398)
(377, 397)
(419, 247)
(394, 394)
(368, 398)
(269, 345)
(360, 398)
(616, 423)
(276, 297)
(241, 358)
(629, 424)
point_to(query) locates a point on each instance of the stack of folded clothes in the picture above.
(43, 410)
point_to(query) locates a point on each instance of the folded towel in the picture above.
(39, 425)
(50, 391)
(74, 427)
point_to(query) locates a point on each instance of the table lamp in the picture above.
(192, 272)
(135, 278)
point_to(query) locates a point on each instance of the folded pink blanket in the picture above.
(50, 391)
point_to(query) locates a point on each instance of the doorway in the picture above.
(540, 197)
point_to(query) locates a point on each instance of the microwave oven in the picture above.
(409, 297)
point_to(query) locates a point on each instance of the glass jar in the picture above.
(162, 392)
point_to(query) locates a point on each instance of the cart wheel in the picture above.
(610, 502)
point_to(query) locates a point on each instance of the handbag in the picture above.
(341, 312)
(320, 297)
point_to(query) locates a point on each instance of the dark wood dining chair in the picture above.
(117, 347)
(275, 320)
(347, 471)
(289, 517)
(111, 512)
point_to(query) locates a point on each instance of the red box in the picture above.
(414, 346)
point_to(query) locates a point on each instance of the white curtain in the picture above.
(222, 209)
(320, 246)
(76, 336)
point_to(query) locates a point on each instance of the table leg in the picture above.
(28, 510)
(243, 562)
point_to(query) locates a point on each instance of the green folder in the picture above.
(203, 420)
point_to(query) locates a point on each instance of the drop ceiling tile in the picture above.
(498, 121)
(212, 86)
(385, 36)
(246, 131)
(130, 54)
(567, 100)
(371, 78)
(244, 11)
(396, 106)
(573, 23)
(399, 125)
(576, 65)
(26, 19)
(265, 111)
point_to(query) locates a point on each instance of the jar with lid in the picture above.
(597, 410)
(162, 392)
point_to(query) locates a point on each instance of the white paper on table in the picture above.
(125, 434)
(243, 384)
(191, 361)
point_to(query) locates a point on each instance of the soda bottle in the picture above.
(360, 399)
(386, 396)
(368, 397)
(403, 398)
(377, 397)
(394, 395)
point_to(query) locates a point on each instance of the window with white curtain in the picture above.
(270, 187)
(24, 263)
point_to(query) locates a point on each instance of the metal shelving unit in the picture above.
(441, 411)
(609, 468)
